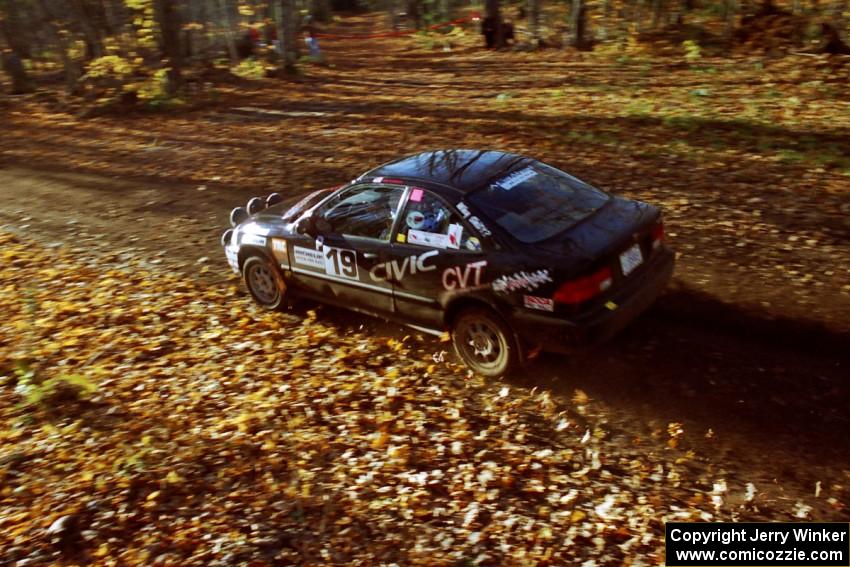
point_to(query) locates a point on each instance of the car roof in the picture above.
(464, 170)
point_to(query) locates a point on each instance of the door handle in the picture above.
(370, 255)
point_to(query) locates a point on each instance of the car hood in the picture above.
(290, 208)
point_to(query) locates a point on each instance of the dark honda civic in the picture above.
(505, 252)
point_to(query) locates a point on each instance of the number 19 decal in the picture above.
(340, 262)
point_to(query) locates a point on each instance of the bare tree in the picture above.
(578, 24)
(286, 30)
(226, 21)
(493, 22)
(730, 8)
(167, 14)
(13, 56)
(55, 33)
(534, 20)
(85, 18)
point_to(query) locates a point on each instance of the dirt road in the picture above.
(764, 400)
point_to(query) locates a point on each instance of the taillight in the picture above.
(657, 235)
(582, 289)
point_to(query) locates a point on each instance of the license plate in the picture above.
(630, 259)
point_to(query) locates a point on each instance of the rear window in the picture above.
(537, 202)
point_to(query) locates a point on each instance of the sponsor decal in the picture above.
(253, 240)
(414, 264)
(377, 180)
(401, 237)
(279, 251)
(509, 182)
(308, 257)
(320, 241)
(458, 277)
(480, 226)
(340, 262)
(472, 243)
(455, 235)
(538, 303)
(416, 195)
(475, 221)
(427, 238)
(521, 280)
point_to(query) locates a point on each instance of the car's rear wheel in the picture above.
(484, 342)
(264, 282)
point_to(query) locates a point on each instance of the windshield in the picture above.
(537, 202)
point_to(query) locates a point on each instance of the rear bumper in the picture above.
(600, 323)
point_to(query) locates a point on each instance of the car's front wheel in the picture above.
(264, 282)
(484, 342)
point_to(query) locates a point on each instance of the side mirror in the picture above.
(313, 225)
(306, 225)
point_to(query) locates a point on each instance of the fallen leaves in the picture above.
(219, 432)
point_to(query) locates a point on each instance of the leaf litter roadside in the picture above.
(218, 433)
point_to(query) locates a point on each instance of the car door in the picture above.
(435, 255)
(338, 264)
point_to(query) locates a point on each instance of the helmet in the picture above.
(428, 220)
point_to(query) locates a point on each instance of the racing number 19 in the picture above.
(341, 262)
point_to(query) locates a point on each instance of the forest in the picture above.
(143, 48)
(151, 414)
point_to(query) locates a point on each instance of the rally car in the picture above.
(506, 253)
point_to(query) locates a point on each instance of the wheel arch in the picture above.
(458, 304)
(246, 252)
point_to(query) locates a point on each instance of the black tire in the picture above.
(484, 342)
(264, 282)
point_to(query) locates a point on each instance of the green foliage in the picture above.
(154, 88)
(110, 66)
(35, 392)
(249, 69)
(692, 50)
(143, 22)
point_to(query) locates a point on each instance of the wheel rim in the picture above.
(482, 343)
(263, 284)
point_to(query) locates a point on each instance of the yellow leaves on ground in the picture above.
(216, 428)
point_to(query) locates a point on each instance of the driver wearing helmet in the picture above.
(427, 219)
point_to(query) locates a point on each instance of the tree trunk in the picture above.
(72, 72)
(321, 10)
(227, 23)
(167, 13)
(11, 26)
(534, 21)
(578, 24)
(14, 67)
(94, 42)
(658, 8)
(392, 14)
(607, 12)
(637, 15)
(837, 18)
(493, 19)
(731, 9)
(286, 36)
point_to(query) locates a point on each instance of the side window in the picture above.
(363, 210)
(428, 221)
